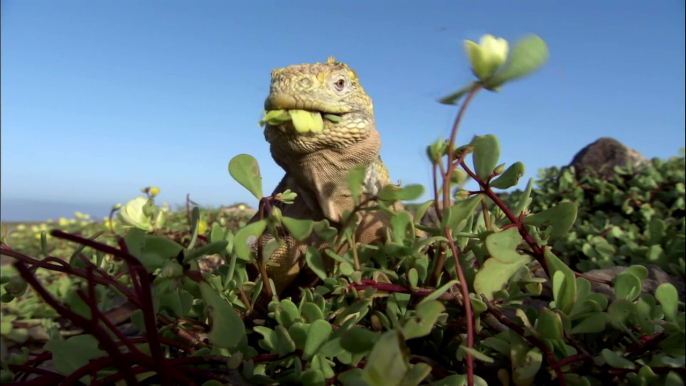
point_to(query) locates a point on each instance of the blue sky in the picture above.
(102, 98)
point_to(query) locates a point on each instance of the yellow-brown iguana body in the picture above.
(317, 164)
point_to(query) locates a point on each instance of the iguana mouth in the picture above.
(299, 121)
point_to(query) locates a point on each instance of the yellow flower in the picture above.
(21, 227)
(154, 191)
(202, 227)
(62, 221)
(487, 56)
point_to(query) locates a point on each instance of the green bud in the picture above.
(461, 194)
(437, 150)
(17, 286)
(499, 169)
(287, 197)
(487, 56)
(275, 215)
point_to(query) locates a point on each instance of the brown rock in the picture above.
(603, 155)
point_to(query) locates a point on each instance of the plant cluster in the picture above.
(440, 305)
(637, 217)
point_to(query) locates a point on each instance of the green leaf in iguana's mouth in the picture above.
(303, 121)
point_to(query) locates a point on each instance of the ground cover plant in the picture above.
(441, 304)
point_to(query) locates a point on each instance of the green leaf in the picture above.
(358, 340)
(227, 327)
(486, 155)
(317, 336)
(505, 261)
(325, 231)
(525, 372)
(246, 171)
(407, 193)
(299, 229)
(287, 313)
(564, 286)
(674, 345)
(453, 98)
(593, 323)
(425, 317)
(640, 271)
(458, 214)
(620, 312)
(502, 246)
(71, 354)
(355, 180)
(246, 237)
(510, 178)
(195, 223)
(437, 293)
(312, 312)
(627, 286)
(667, 296)
(388, 361)
(207, 249)
(284, 343)
(526, 56)
(494, 275)
(453, 380)
(312, 377)
(476, 354)
(416, 374)
(549, 325)
(315, 262)
(524, 199)
(560, 217)
(421, 210)
(615, 360)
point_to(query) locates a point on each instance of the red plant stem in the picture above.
(71, 271)
(142, 289)
(451, 145)
(151, 326)
(97, 314)
(92, 328)
(467, 306)
(388, 287)
(595, 279)
(538, 251)
(569, 360)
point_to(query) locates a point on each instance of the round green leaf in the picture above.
(510, 178)
(486, 155)
(246, 171)
(318, 334)
(669, 299)
(227, 327)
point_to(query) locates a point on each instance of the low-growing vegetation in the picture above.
(442, 304)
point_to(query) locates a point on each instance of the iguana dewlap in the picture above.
(318, 154)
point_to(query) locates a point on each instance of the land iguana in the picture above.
(329, 128)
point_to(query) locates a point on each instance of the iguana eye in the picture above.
(340, 84)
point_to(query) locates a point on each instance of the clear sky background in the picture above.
(102, 98)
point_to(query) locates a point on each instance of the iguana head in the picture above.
(317, 106)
